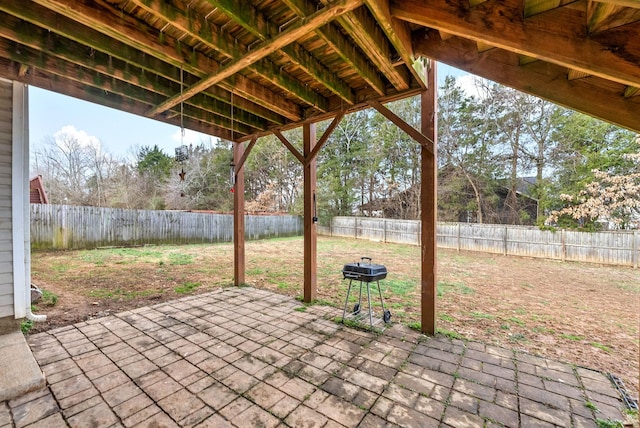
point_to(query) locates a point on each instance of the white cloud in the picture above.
(81, 137)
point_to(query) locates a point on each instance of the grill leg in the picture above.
(360, 298)
(369, 301)
(346, 301)
(380, 293)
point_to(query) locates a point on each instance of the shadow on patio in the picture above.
(247, 357)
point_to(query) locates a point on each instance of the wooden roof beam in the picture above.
(254, 22)
(534, 7)
(66, 61)
(593, 96)
(104, 30)
(221, 42)
(399, 33)
(343, 47)
(288, 36)
(510, 31)
(604, 16)
(364, 30)
(35, 77)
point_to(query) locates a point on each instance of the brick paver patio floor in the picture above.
(245, 357)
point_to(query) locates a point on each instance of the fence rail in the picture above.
(73, 227)
(610, 248)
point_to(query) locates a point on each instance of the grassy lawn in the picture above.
(580, 313)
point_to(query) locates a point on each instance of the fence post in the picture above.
(384, 229)
(459, 232)
(635, 254)
(355, 227)
(506, 229)
(563, 242)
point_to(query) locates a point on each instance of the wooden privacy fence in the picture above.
(73, 227)
(611, 248)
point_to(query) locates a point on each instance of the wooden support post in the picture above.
(310, 229)
(428, 204)
(238, 216)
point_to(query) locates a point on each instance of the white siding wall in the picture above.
(6, 243)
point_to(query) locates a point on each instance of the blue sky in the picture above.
(117, 131)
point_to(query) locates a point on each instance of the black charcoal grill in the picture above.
(365, 272)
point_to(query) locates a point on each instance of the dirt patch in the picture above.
(584, 314)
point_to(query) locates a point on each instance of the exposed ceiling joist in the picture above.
(604, 16)
(10, 70)
(398, 33)
(254, 22)
(531, 37)
(534, 7)
(332, 37)
(285, 38)
(363, 28)
(224, 44)
(541, 79)
(102, 32)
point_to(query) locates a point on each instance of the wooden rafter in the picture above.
(531, 37)
(35, 77)
(604, 16)
(103, 33)
(347, 52)
(594, 96)
(254, 22)
(224, 44)
(141, 91)
(534, 7)
(398, 33)
(362, 28)
(285, 38)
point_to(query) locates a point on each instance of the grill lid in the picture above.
(364, 270)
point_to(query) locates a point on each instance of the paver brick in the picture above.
(132, 405)
(254, 416)
(70, 387)
(545, 412)
(97, 416)
(217, 396)
(139, 368)
(400, 395)
(34, 410)
(304, 417)
(459, 418)
(474, 389)
(407, 417)
(285, 406)
(121, 393)
(141, 416)
(237, 406)
(110, 381)
(500, 414)
(158, 420)
(430, 407)
(180, 404)
(297, 388)
(264, 395)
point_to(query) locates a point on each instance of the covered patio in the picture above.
(248, 357)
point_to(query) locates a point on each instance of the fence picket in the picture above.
(611, 248)
(72, 227)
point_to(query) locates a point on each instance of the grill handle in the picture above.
(350, 275)
(366, 258)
